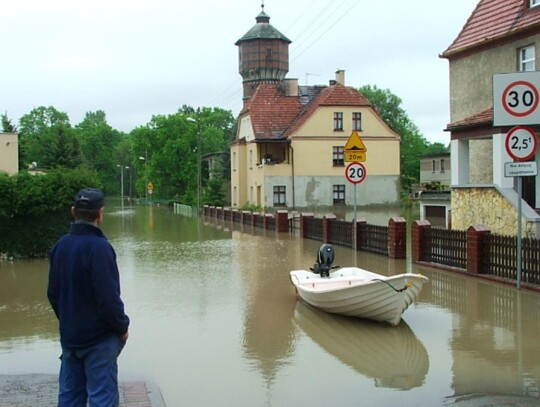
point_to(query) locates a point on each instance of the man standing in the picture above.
(84, 292)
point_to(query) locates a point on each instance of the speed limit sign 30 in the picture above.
(516, 98)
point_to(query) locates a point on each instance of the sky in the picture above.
(135, 59)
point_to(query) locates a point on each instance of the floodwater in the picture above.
(215, 322)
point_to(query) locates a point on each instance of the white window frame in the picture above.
(527, 58)
(338, 156)
(338, 194)
(534, 3)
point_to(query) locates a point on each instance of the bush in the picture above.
(35, 209)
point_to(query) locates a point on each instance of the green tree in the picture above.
(166, 150)
(7, 125)
(100, 145)
(34, 209)
(38, 131)
(413, 144)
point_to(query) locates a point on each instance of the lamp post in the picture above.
(121, 183)
(145, 159)
(192, 120)
(129, 196)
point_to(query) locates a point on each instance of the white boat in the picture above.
(356, 292)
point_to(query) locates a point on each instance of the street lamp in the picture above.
(145, 159)
(121, 183)
(192, 120)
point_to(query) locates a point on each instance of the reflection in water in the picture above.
(24, 309)
(392, 356)
(494, 343)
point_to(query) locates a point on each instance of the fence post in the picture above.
(475, 252)
(327, 227)
(360, 226)
(303, 228)
(282, 221)
(418, 230)
(397, 238)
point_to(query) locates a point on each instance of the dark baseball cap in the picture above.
(89, 198)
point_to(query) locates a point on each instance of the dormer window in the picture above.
(534, 3)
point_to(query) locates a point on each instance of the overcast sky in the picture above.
(133, 59)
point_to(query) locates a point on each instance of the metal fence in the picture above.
(314, 228)
(340, 233)
(373, 238)
(500, 258)
(447, 247)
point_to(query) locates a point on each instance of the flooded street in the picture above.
(215, 322)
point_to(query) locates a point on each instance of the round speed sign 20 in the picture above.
(355, 172)
(521, 143)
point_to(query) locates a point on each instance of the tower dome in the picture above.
(263, 55)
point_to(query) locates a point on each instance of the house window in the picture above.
(534, 3)
(338, 121)
(338, 159)
(357, 121)
(339, 194)
(235, 196)
(527, 58)
(433, 166)
(233, 163)
(250, 159)
(279, 195)
(442, 165)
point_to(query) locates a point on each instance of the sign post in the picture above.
(355, 174)
(516, 102)
(520, 144)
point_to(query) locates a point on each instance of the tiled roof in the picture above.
(492, 20)
(334, 95)
(484, 117)
(271, 111)
(275, 116)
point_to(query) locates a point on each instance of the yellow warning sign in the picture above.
(355, 150)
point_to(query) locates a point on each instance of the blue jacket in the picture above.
(84, 287)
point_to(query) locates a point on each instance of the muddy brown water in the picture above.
(215, 322)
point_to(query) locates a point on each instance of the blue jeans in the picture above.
(90, 374)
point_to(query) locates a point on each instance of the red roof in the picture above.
(271, 111)
(276, 116)
(493, 20)
(484, 117)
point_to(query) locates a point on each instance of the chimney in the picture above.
(340, 76)
(291, 87)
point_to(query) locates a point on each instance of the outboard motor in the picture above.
(325, 258)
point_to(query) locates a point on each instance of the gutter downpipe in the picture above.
(292, 170)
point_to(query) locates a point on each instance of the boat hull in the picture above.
(359, 293)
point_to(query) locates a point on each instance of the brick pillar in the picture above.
(418, 231)
(303, 217)
(254, 217)
(327, 227)
(282, 221)
(360, 225)
(267, 218)
(397, 238)
(475, 254)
